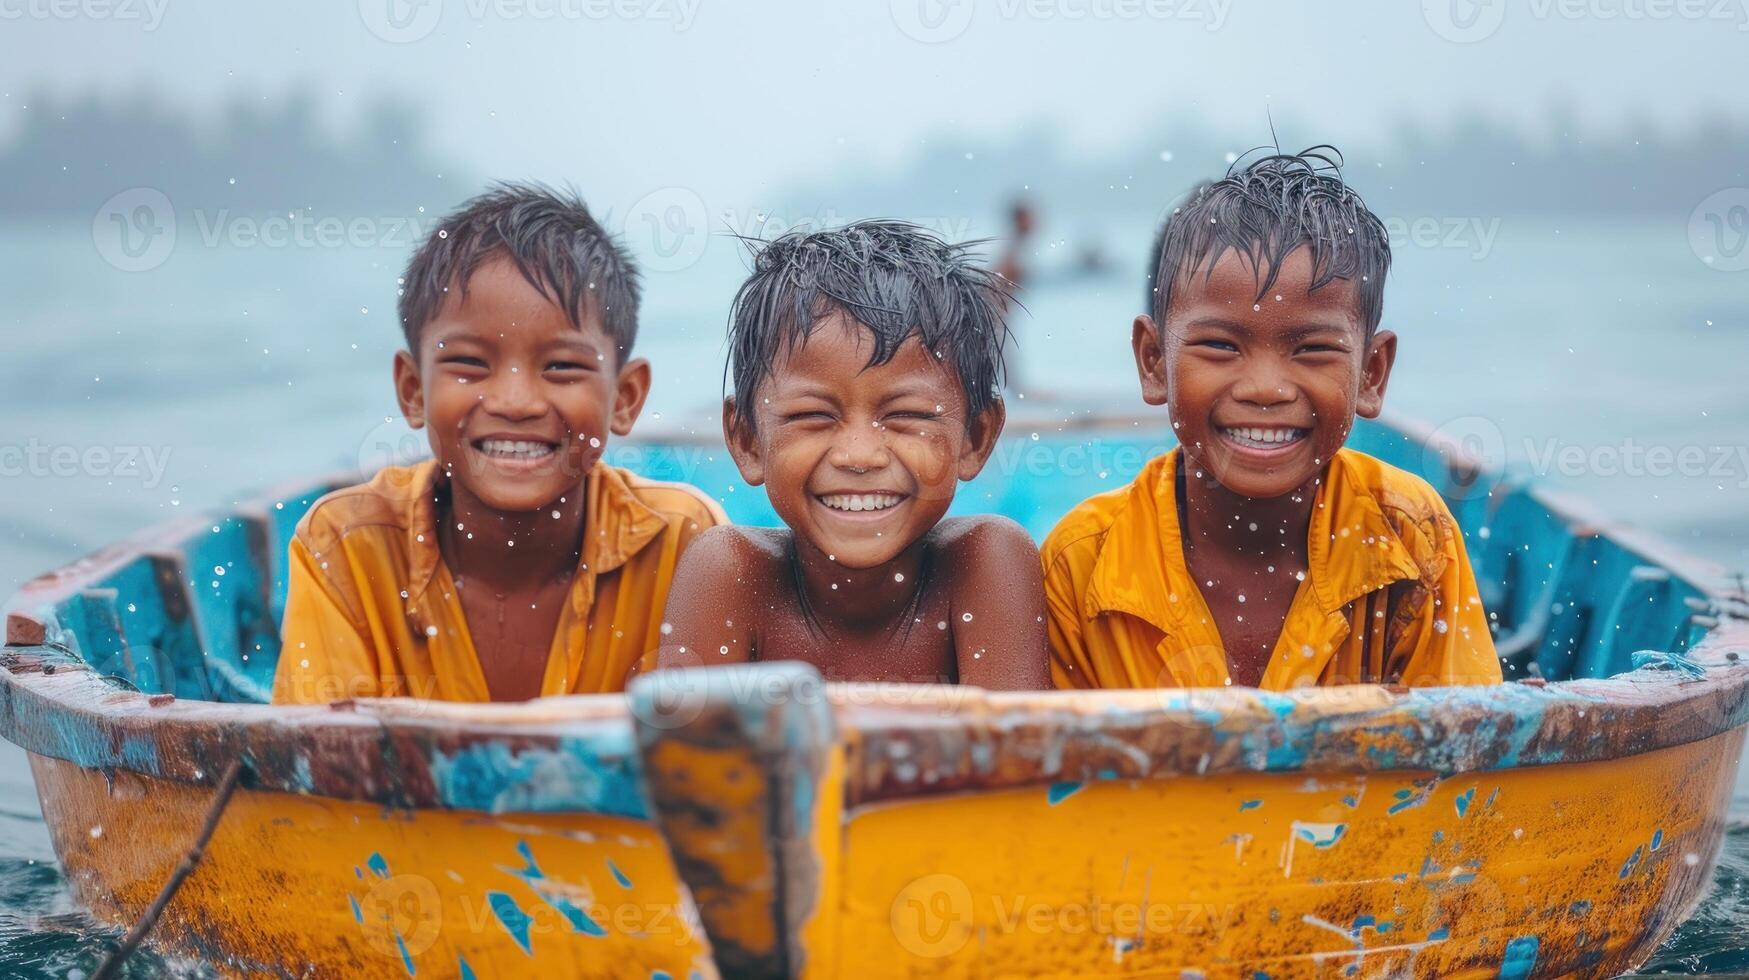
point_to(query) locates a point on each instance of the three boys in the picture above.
(866, 363)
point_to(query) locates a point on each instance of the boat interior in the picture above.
(193, 609)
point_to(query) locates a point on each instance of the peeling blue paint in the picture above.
(1633, 859)
(1657, 839)
(1662, 660)
(1463, 801)
(1580, 907)
(1439, 935)
(618, 875)
(660, 975)
(530, 869)
(578, 919)
(1520, 958)
(1249, 805)
(1058, 792)
(1320, 835)
(461, 965)
(1492, 797)
(598, 773)
(1351, 801)
(378, 865)
(357, 913)
(514, 920)
(406, 957)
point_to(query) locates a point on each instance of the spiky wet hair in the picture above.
(1264, 210)
(895, 279)
(555, 242)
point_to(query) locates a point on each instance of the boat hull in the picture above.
(299, 885)
(1557, 870)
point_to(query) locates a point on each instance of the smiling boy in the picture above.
(866, 364)
(515, 563)
(1261, 552)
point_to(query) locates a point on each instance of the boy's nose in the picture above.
(513, 395)
(1265, 385)
(861, 448)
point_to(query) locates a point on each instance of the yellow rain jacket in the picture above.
(372, 610)
(1125, 612)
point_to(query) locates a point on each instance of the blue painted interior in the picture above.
(1569, 603)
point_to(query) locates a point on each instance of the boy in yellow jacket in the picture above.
(515, 563)
(1261, 552)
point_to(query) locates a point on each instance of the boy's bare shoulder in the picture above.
(969, 543)
(740, 550)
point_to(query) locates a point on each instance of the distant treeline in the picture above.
(1473, 167)
(68, 157)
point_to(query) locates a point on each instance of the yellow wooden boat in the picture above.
(748, 822)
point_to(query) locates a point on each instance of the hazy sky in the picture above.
(624, 96)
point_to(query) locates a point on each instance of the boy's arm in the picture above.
(1448, 641)
(712, 585)
(325, 654)
(998, 606)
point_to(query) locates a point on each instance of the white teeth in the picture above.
(861, 501)
(515, 448)
(1259, 437)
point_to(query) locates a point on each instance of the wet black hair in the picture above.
(558, 246)
(892, 277)
(1266, 209)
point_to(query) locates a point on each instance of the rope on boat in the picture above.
(226, 786)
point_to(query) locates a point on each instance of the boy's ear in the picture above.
(743, 444)
(1375, 372)
(408, 390)
(1150, 352)
(630, 390)
(981, 441)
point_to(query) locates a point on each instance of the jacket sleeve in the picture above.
(1447, 641)
(1070, 666)
(325, 653)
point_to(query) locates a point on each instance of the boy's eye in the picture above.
(568, 366)
(1220, 345)
(807, 415)
(914, 415)
(1322, 349)
(464, 361)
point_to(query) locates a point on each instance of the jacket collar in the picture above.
(1351, 549)
(616, 526)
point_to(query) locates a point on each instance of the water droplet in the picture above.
(594, 443)
(966, 617)
(667, 628)
(941, 625)
(1256, 307)
(443, 232)
(898, 576)
(430, 631)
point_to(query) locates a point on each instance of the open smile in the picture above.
(515, 454)
(1264, 440)
(862, 506)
